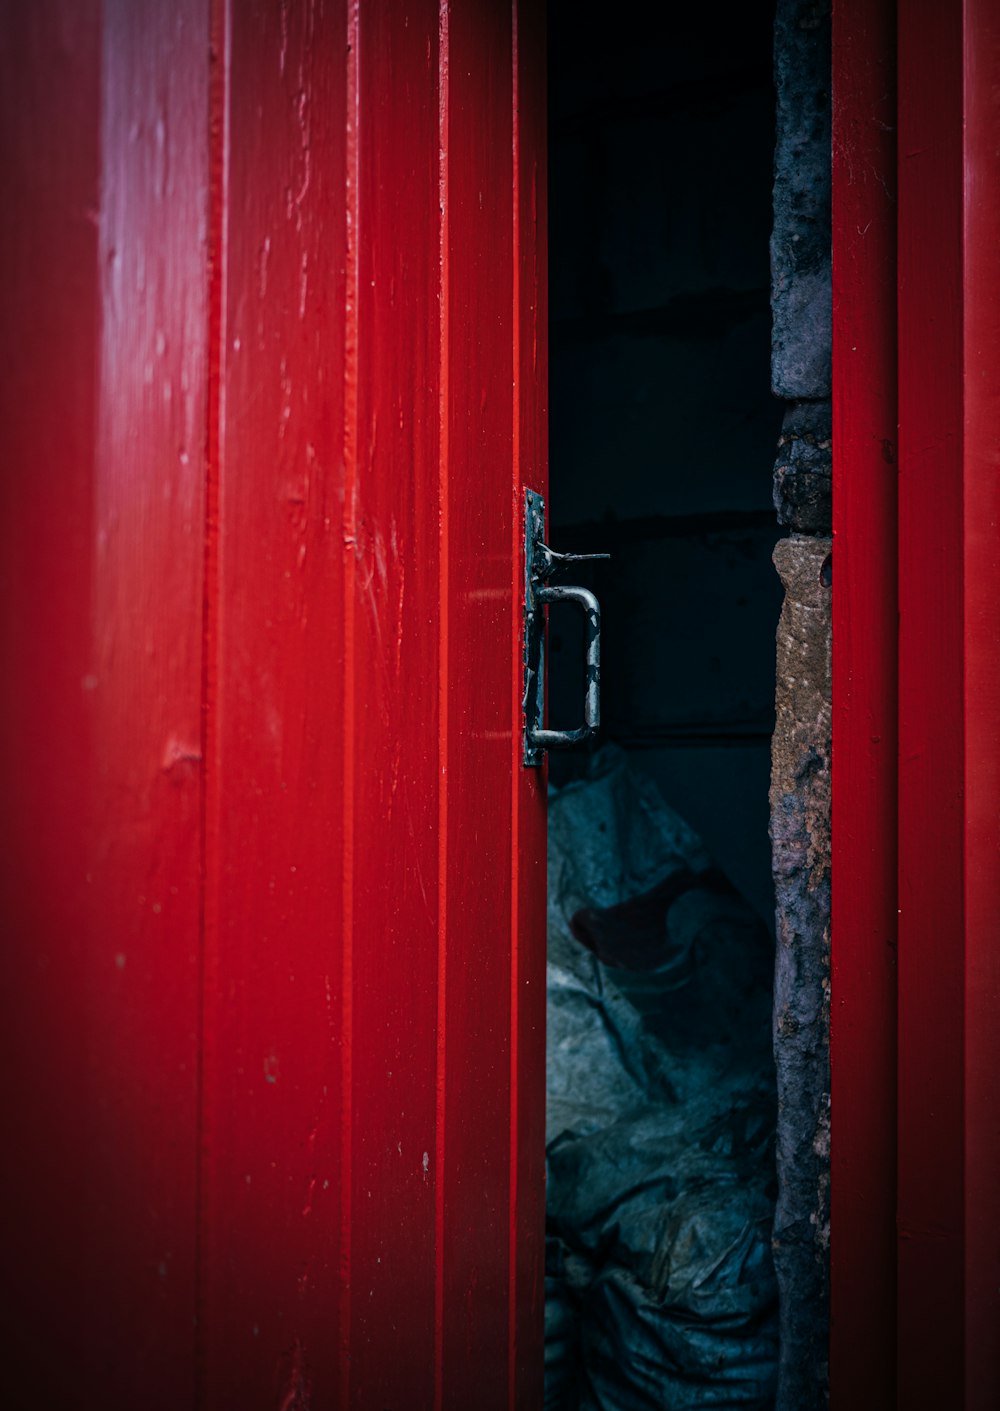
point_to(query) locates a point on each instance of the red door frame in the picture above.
(915, 1224)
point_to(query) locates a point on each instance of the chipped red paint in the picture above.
(277, 883)
(276, 669)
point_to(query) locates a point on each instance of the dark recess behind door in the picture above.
(663, 426)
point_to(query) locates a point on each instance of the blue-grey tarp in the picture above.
(660, 1291)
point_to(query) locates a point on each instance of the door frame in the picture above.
(915, 1157)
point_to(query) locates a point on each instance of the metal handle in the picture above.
(561, 739)
(539, 562)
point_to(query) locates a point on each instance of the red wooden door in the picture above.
(273, 874)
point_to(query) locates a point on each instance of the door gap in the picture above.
(661, 909)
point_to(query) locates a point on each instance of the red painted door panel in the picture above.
(104, 340)
(275, 649)
(865, 626)
(275, 871)
(915, 1161)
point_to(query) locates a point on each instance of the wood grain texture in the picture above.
(863, 937)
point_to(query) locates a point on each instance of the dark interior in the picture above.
(663, 426)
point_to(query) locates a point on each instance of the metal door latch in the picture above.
(540, 562)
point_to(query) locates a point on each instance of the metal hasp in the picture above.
(539, 563)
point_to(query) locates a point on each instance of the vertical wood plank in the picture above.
(529, 823)
(355, 993)
(393, 566)
(982, 699)
(476, 1195)
(149, 505)
(931, 900)
(276, 845)
(102, 610)
(444, 649)
(863, 937)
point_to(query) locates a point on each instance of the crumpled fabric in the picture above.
(660, 1289)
